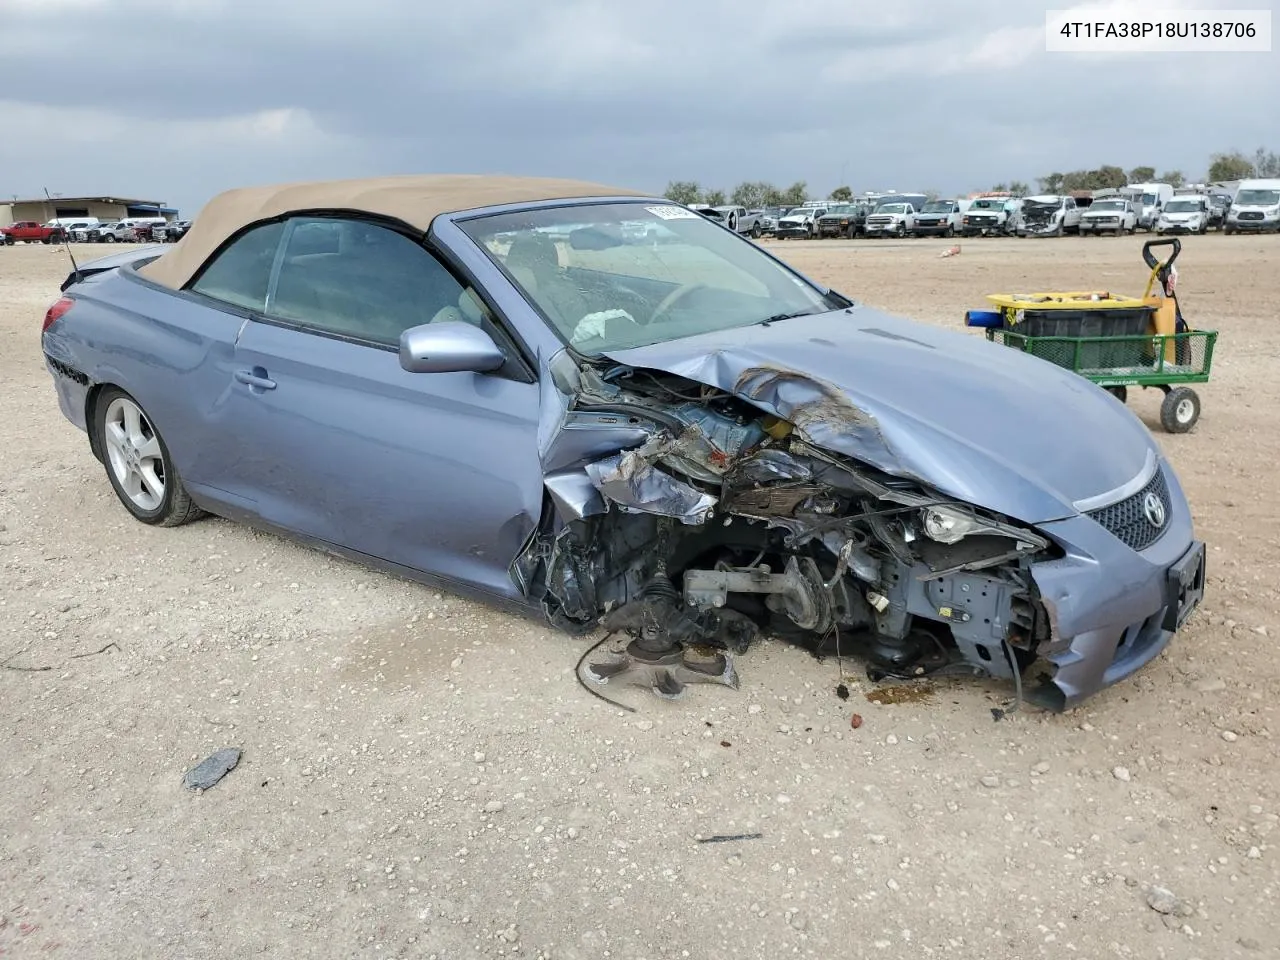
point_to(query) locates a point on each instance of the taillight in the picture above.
(61, 306)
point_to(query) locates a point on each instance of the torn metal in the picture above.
(690, 515)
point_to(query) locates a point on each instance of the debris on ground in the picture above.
(212, 769)
(1163, 900)
(727, 837)
(855, 721)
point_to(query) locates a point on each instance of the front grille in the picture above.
(1249, 215)
(1127, 520)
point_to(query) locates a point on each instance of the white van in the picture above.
(1256, 207)
(1150, 199)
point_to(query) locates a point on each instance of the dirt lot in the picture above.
(422, 777)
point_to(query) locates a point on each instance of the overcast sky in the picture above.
(175, 100)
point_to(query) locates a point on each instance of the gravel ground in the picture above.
(422, 777)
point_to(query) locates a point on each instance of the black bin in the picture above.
(1132, 322)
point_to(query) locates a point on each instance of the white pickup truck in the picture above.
(741, 220)
(893, 218)
(1050, 215)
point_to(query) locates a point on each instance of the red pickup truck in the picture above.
(28, 231)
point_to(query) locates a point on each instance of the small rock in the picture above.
(1254, 853)
(644, 724)
(478, 757)
(991, 780)
(509, 935)
(1229, 735)
(798, 921)
(573, 833)
(754, 708)
(1249, 943)
(1162, 900)
(494, 806)
(855, 721)
(891, 740)
(1209, 685)
(1261, 631)
(783, 798)
(1122, 773)
(209, 771)
(1041, 768)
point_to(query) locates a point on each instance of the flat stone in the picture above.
(209, 771)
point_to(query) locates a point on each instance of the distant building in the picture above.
(104, 208)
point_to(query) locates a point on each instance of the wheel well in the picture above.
(90, 415)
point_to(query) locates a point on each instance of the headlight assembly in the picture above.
(952, 524)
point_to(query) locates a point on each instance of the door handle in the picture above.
(257, 378)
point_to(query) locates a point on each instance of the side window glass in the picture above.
(364, 281)
(240, 273)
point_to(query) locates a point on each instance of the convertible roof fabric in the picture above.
(415, 200)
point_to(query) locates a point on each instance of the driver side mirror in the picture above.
(449, 347)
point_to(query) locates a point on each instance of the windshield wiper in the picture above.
(783, 316)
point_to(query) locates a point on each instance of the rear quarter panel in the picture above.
(169, 351)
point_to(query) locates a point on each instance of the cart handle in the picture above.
(1159, 269)
(1150, 258)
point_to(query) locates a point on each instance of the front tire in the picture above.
(756, 232)
(138, 464)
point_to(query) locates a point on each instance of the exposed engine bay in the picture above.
(719, 522)
(1039, 217)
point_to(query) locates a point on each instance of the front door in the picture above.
(434, 471)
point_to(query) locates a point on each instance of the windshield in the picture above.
(1109, 205)
(1049, 204)
(937, 206)
(1182, 206)
(1148, 199)
(1257, 198)
(841, 208)
(602, 291)
(989, 203)
(892, 208)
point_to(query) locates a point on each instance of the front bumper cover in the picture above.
(1111, 609)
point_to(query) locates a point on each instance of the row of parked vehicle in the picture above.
(93, 230)
(1153, 207)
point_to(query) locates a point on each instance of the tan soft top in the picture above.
(415, 200)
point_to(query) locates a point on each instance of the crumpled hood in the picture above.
(981, 422)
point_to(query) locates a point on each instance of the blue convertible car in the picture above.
(602, 407)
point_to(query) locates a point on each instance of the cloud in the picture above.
(187, 97)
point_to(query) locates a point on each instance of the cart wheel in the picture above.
(1180, 410)
(1120, 393)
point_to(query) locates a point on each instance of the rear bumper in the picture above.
(1112, 610)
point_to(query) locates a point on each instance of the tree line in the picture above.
(1228, 165)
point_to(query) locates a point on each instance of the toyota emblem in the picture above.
(1153, 507)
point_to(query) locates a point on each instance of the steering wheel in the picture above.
(674, 297)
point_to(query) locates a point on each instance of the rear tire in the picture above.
(755, 232)
(1180, 410)
(138, 463)
(1120, 393)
